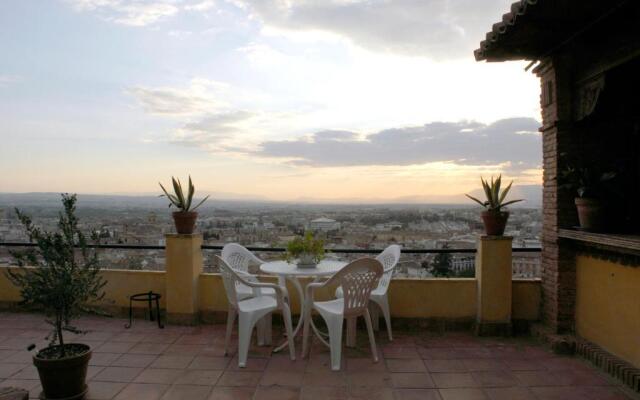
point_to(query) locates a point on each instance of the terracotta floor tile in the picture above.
(236, 378)
(445, 365)
(537, 378)
(253, 364)
(199, 377)
(117, 374)
(184, 349)
(282, 378)
(172, 361)
(361, 364)
(159, 375)
(103, 359)
(19, 357)
(277, 393)
(6, 370)
(417, 394)
(28, 372)
(558, 393)
(462, 394)
(232, 393)
(405, 365)
(324, 393)
(370, 393)
(142, 391)
(523, 364)
(127, 337)
(400, 352)
(202, 362)
(509, 393)
(133, 360)
(324, 378)
(480, 364)
(495, 378)
(410, 380)
(148, 348)
(284, 363)
(368, 379)
(187, 392)
(104, 390)
(26, 384)
(453, 380)
(581, 378)
(114, 347)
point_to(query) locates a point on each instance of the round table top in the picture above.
(324, 268)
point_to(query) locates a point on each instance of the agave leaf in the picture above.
(487, 190)
(171, 198)
(476, 200)
(504, 192)
(496, 191)
(199, 204)
(190, 194)
(511, 202)
(177, 188)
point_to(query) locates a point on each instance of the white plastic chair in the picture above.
(251, 310)
(357, 280)
(389, 259)
(239, 258)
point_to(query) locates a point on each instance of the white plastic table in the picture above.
(290, 271)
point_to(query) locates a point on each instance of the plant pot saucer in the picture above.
(74, 397)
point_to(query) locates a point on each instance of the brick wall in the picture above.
(558, 263)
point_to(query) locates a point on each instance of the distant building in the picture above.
(324, 225)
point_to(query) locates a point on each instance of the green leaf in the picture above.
(199, 204)
(189, 195)
(504, 192)
(476, 200)
(511, 202)
(177, 188)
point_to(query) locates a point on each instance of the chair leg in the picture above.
(384, 305)
(245, 329)
(231, 317)
(286, 313)
(335, 341)
(372, 337)
(127, 326)
(260, 332)
(160, 325)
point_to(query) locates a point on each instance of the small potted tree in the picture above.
(590, 186)
(185, 217)
(307, 250)
(494, 217)
(63, 279)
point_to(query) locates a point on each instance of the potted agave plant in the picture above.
(62, 278)
(307, 250)
(185, 217)
(494, 217)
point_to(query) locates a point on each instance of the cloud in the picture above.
(463, 143)
(212, 129)
(6, 80)
(139, 12)
(200, 97)
(434, 28)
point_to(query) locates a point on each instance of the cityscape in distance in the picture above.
(144, 220)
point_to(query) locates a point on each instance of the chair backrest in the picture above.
(230, 279)
(238, 257)
(389, 259)
(358, 279)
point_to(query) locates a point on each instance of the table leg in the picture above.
(158, 313)
(298, 286)
(127, 326)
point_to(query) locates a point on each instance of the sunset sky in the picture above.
(346, 100)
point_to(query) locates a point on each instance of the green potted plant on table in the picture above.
(59, 275)
(494, 217)
(590, 185)
(185, 218)
(307, 250)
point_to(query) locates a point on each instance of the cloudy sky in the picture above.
(350, 100)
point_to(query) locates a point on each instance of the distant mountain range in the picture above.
(532, 194)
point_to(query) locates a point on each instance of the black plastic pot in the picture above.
(63, 378)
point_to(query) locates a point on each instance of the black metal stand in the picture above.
(148, 297)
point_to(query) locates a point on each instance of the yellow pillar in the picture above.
(493, 276)
(183, 269)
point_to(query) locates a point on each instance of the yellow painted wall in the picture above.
(608, 306)
(409, 298)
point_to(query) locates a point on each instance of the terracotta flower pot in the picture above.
(590, 214)
(185, 221)
(494, 222)
(64, 378)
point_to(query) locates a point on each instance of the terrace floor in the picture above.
(145, 362)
